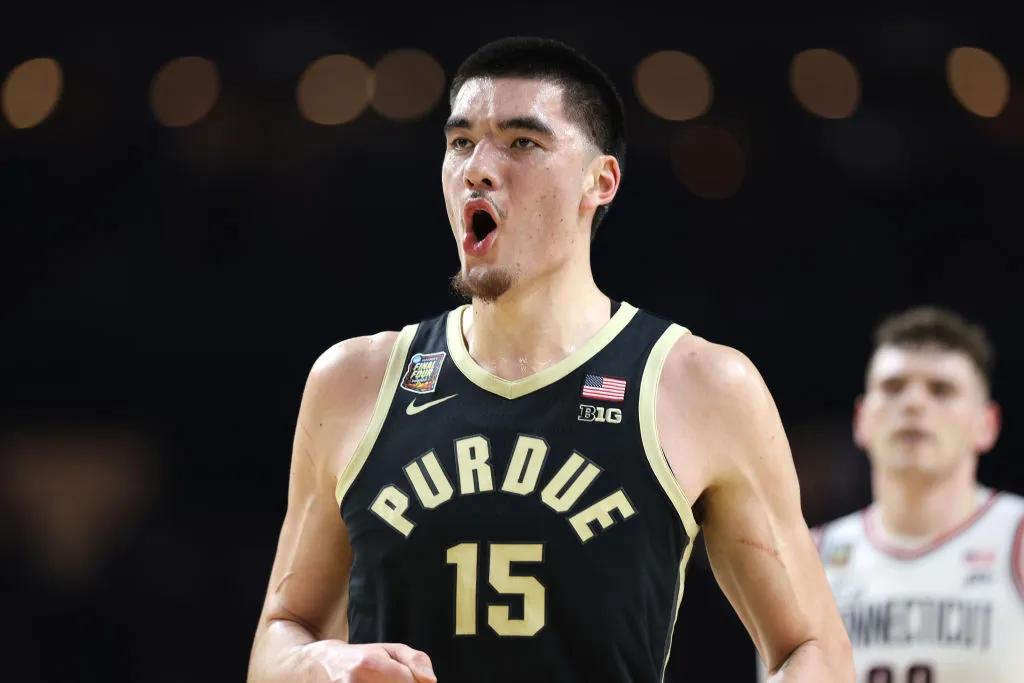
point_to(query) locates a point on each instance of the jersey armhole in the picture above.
(658, 462)
(649, 436)
(385, 396)
(1017, 558)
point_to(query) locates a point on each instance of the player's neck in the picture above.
(534, 326)
(916, 506)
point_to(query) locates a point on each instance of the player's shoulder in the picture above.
(847, 529)
(364, 352)
(714, 372)
(1011, 501)
(352, 370)
(1008, 507)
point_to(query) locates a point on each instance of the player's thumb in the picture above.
(417, 661)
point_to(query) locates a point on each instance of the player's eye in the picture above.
(892, 387)
(523, 143)
(459, 143)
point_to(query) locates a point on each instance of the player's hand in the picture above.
(334, 661)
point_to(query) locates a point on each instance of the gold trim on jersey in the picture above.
(516, 388)
(656, 457)
(386, 395)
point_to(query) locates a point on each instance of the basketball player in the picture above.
(929, 577)
(503, 492)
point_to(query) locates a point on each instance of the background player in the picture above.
(929, 577)
(536, 524)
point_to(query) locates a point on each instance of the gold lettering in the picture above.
(438, 481)
(560, 501)
(390, 505)
(525, 464)
(473, 454)
(600, 512)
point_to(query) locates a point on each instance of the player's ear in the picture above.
(987, 427)
(601, 182)
(859, 432)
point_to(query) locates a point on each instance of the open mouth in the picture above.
(482, 224)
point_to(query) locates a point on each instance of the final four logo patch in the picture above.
(424, 369)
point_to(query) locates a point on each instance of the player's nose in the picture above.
(914, 398)
(480, 172)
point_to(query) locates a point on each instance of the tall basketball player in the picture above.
(503, 492)
(930, 577)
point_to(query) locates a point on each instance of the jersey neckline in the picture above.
(875, 538)
(512, 389)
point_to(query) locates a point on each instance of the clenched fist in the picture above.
(334, 661)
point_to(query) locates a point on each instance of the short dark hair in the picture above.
(924, 326)
(590, 98)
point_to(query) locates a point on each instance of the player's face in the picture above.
(518, 176)
(925, 409)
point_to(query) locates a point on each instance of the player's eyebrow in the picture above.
(527, 123)
(530, 123)
(455, 122)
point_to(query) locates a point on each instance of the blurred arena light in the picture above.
(408, 84)
(825, 83)
(978, 81)
(184, 91)
(334, 89)
(31, 92)
(673, 85)
(708, 162)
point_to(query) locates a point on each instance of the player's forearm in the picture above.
(811, 663)
(277, 653)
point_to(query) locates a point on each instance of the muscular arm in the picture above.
(307, 591)
(722, 433)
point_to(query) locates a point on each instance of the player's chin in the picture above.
(919, 460)
(482, 282)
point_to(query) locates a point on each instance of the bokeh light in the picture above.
(708, 161)
(408, 84)
(31, 92)
(334, 89)
(978, 81)
(825, 83)
(184, 91)
(673, 85)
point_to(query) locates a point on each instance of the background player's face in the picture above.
(511, 151)
(925, 409)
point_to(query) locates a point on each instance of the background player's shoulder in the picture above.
(1012, 507)
(1012, 502)
(846, 529)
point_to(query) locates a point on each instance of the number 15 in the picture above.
(465, 557)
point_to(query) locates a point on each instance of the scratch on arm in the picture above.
(757, 545)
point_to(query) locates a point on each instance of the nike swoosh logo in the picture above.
(412, 408)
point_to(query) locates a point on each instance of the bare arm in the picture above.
(303, 619)
(723, 435)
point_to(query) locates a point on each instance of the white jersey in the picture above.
(951, 611)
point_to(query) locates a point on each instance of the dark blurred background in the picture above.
(196, 204)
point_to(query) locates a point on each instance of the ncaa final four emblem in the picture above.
(837, 555)
(424, 369)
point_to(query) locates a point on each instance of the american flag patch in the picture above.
(604, 388)
(980, 557)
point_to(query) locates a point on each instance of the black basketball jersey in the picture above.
(526, 530)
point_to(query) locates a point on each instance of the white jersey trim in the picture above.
(874, 537)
